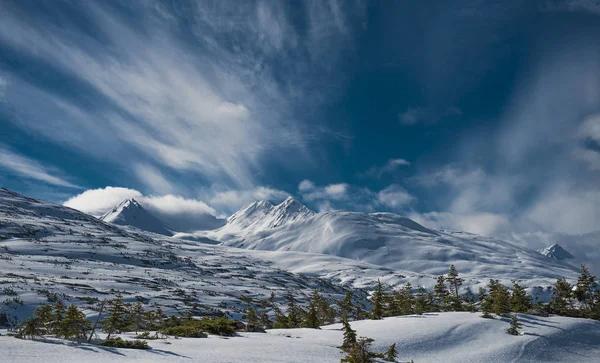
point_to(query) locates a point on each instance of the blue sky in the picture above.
(468, 115)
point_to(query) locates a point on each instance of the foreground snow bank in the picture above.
(445, 337)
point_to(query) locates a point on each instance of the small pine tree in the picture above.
(378, 301)
(561, 302)
(58, 315)
(137, 317)
(360, 352)
(311, 319)
(30, 329)
(75, 325)
(264, 316)
(515, 326)
(346, 305)
(406, 300)
(349, 335)
(455, 284)
(44, 314)
(116, 320)
(485, 303)
(293, 317)
(391, 354)
(421, 304)
(584, 288)
(520, 302)
(252, 321)
(441, 294)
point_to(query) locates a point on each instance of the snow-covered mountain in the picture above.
(49, 251)
(557, 252)
(391, 241)
(261, 216)
(131, 213)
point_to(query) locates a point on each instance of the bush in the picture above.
(146, 335)
(185, 331)
(129, 344)
(196, 327)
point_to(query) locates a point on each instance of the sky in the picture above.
(466, 115)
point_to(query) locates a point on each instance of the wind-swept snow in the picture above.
(443, 338)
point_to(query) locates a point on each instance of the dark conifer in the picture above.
(377, 300)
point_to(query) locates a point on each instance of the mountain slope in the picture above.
(395, 242)
(49, 251)
(131, 213)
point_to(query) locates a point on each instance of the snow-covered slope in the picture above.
(131, 213)
(431, 338)
(395, 242)
(558, 253)
(49, 251)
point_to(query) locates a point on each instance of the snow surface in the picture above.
(131, 213)
(443, 337)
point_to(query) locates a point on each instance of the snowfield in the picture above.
(443, 337)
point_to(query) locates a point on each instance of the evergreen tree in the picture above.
(360, 352)
(561, 302)
(585, 287)
(116, 321)
(44, 315)
(406, 300)
(346, 305)
(252, 320)
(455, 284)
(500, 299)
(485, 302)
(75, 325)
(392, 304)
(293, 318)
(30, 329)
(58, 315)
(391, 354)
(378, 300)
(421, 301)
(137, 317)
(441, 294)
(520, 302)
(515, 326)
(311, 320)
(264, 316)
(349, 335)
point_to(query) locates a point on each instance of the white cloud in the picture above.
(205, 107)
(394, 196)
(31, 169)
(332, 191)
(306, 185)
(179, 213)
(390, 166)
(98, 201)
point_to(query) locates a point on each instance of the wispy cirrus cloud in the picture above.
(186, 87)
(32, 169)
(389, 167)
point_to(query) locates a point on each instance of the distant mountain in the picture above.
(557, 252)
(262, 215)
(387, 240)
(131, 213)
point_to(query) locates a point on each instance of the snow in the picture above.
(131, 213)
(444, 337)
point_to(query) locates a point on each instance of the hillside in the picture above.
(49, 251)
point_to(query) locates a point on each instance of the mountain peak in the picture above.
(556, 252)
(130, 212)
(262, 215)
